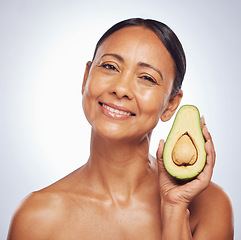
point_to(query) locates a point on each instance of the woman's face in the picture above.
(127, 87)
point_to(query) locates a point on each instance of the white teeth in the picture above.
(115, 110)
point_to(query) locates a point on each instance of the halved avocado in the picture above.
(184, 154)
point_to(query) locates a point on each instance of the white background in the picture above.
(44, 46)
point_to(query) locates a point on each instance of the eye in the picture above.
(109, 66)
(150, 79)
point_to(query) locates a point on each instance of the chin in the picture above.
(115, 133)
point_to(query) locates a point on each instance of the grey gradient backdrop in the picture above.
(44, 46)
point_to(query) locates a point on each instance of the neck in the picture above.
(118, 168)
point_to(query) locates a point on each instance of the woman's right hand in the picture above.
(183, 194)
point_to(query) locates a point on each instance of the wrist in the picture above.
(175, 220)
(173, 204)
(176, 210)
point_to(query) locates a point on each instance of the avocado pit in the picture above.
(184, 152)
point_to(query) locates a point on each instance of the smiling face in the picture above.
(126, 89)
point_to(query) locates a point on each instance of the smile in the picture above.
(116, 111)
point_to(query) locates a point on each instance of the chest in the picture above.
(108, 222)
(94, 220)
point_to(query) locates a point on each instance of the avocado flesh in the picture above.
(184, 154)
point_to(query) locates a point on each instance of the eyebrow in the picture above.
(142, 64)
(114, 55)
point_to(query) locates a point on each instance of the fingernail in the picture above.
(203, 119)
(161, 141)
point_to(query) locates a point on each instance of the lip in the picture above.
(114, 111)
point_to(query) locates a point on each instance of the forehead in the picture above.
(136, 42)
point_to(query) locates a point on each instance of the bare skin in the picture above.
(122, 192)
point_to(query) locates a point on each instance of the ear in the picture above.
(172, 106)
(86, 74)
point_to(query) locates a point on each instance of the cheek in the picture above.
(95, 86)
(152, 105)
(152, 102)
(86, 106)
(92, 88)
(89, 99)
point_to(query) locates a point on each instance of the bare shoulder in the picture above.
(212, 214)
(35, 216)
(43, 214)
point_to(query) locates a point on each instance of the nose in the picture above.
(122, 86)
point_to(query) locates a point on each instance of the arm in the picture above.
(175, 222)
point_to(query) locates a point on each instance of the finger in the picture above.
(210, 153)
(202, 119)
(160, 150)
(206, 175)
(209, 141)
(159, 155)
(206, 133)
(208, 138)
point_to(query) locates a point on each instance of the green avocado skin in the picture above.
(187, 120)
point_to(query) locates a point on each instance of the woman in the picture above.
(122, 192)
